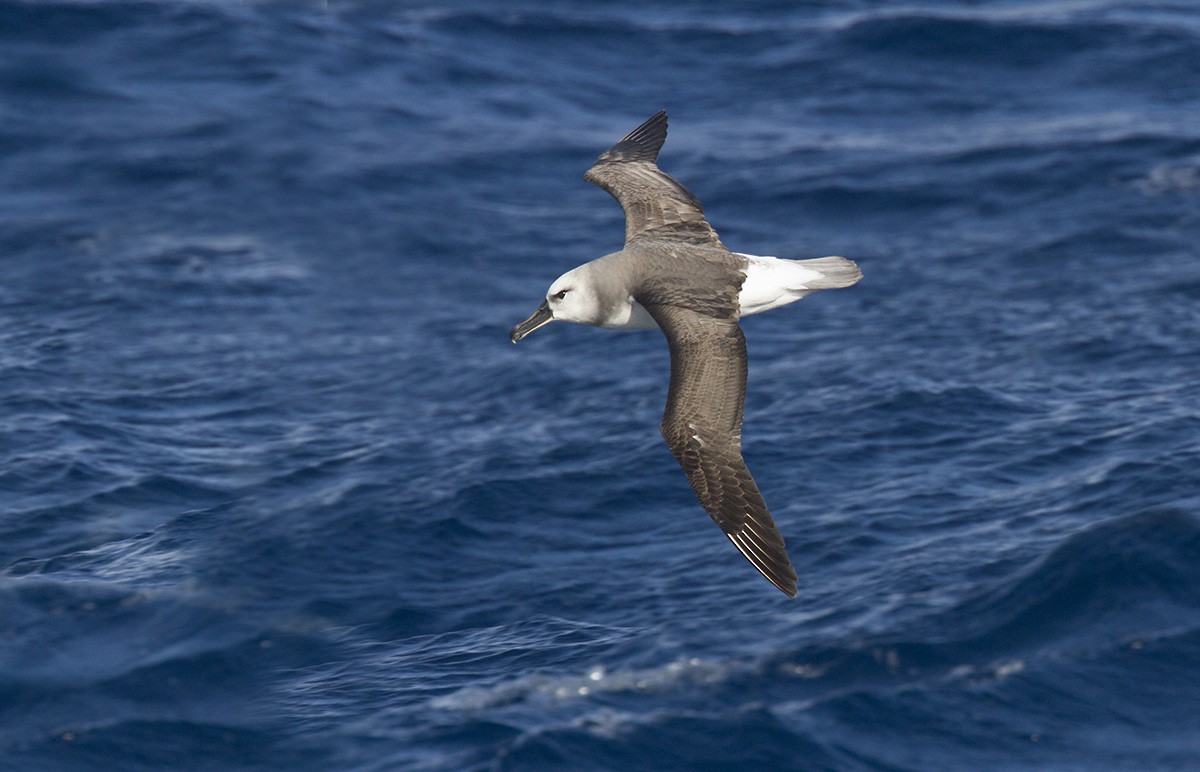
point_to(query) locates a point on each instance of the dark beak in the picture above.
(540, 317)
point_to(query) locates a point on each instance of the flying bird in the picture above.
(675, 274)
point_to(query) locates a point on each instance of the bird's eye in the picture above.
(561, 295)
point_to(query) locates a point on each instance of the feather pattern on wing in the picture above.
(655, 204)
(702, 425)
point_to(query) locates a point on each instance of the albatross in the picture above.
(675, 274)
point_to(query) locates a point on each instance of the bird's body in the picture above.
(770, 282)
(674, 273)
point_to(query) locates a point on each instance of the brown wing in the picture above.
(655, 204)
(703, 428)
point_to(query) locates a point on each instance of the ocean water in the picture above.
(276, 492)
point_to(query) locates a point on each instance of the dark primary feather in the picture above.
(641, 144)
(702, 425)
(656, 205)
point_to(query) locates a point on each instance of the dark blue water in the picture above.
(276, 492)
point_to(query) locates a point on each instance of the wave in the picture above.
(150, 744)
(1120, 598)
(1011, 42)
(739, 738)
(1182, 176)
(1131, 578)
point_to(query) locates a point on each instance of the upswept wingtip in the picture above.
(641, 144)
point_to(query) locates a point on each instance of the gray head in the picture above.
(580, 295)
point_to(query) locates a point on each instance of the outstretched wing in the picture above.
(655, 204)
(703, 428)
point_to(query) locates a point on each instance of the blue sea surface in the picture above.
(276, 491)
